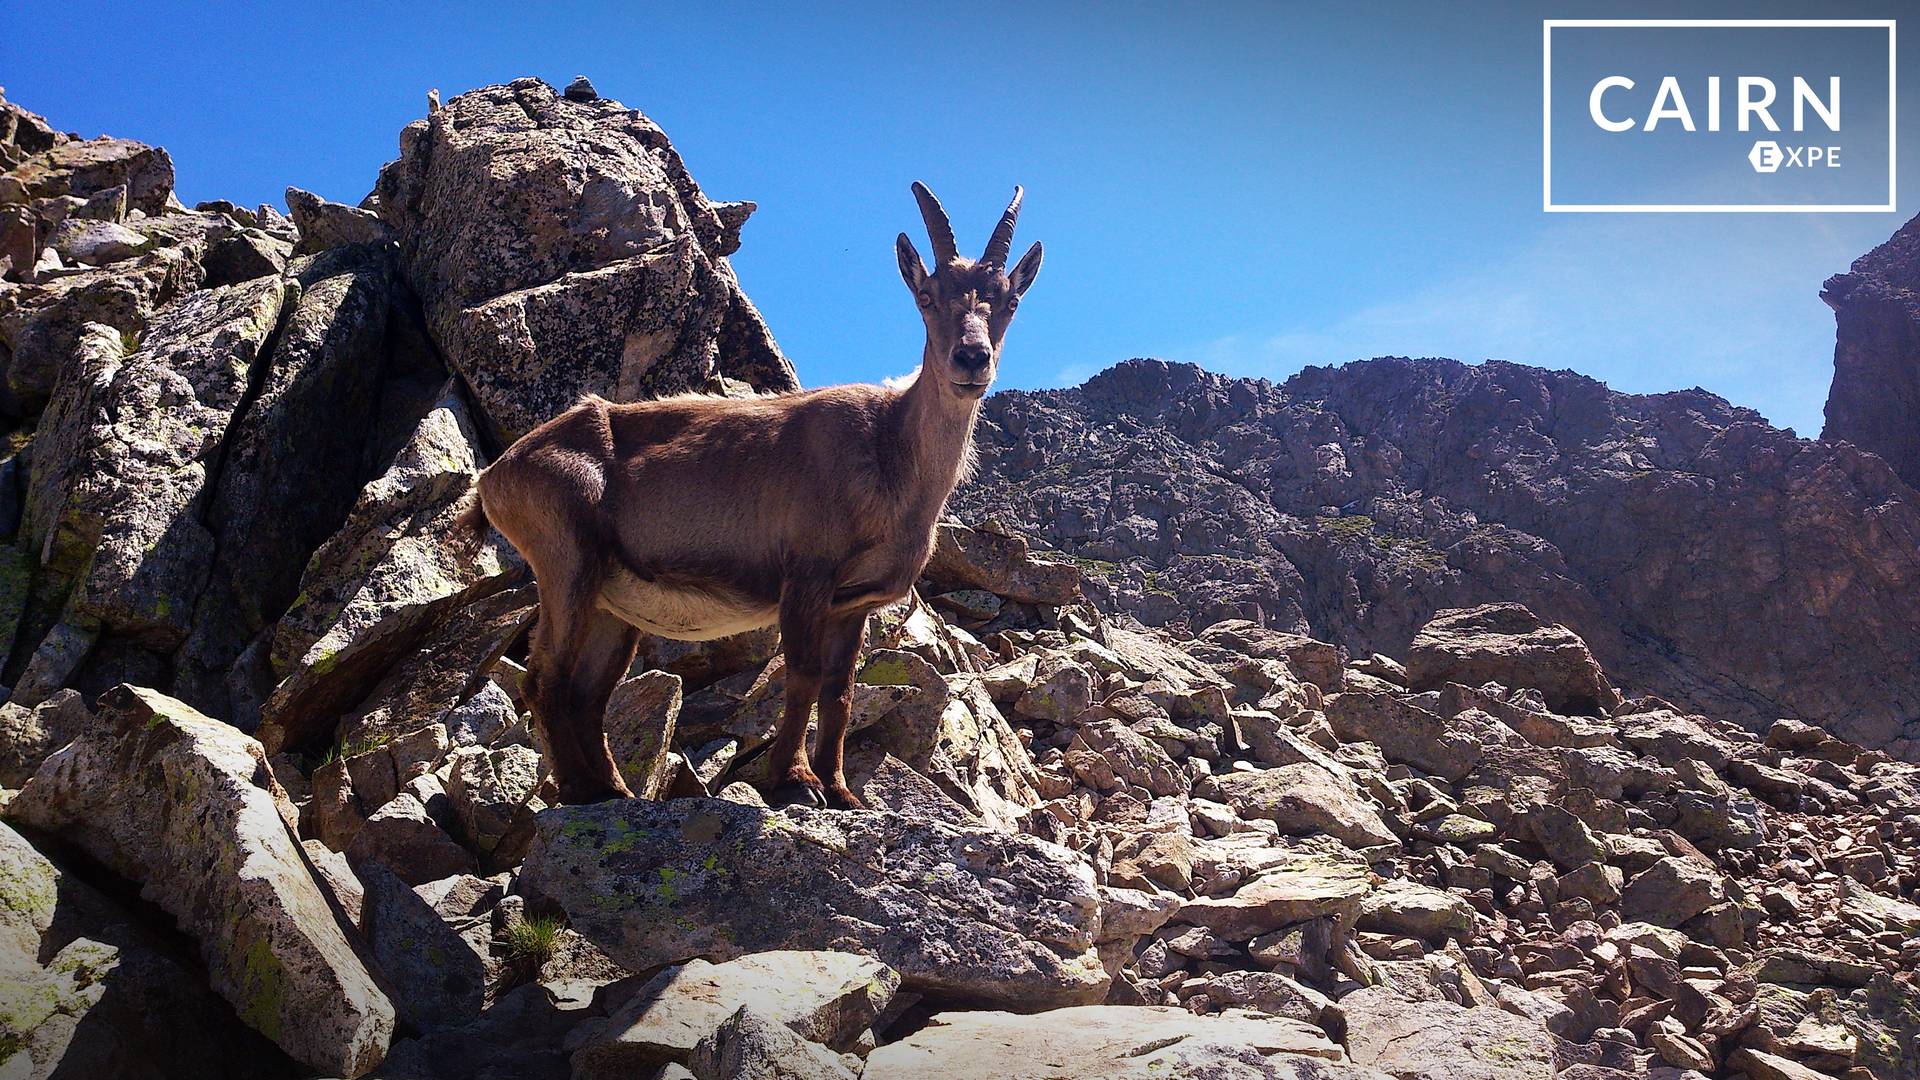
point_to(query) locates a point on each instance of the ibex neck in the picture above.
(936, 435)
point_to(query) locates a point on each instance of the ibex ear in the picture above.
(1025, 270)
(911, 269)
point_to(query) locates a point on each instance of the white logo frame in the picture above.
(1546, 120)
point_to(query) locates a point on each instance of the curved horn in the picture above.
(939, 229)
(1001, 243)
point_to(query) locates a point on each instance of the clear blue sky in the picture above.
(1252, 187)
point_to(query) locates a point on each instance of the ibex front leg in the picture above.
(841, 654)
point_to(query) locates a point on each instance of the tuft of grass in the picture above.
(365, 744)
(1348, 525)
(532, 940)
(1096, 567)
(339, 751)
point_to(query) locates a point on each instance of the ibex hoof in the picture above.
(798, 794)
(841, 797)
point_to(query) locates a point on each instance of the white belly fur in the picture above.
(682, 614)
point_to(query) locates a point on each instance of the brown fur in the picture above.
(694, 516)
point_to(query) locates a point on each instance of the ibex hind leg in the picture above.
(604, 653)
(579, 652)
(804, 603)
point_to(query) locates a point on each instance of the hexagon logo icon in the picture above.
(1766, 156)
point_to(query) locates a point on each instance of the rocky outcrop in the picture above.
(1425, 1038)
(28, 736)
(276, 436)
(81, 168)
(1676, 534)
(324, 225)
(292, 465)
(395, 552)
(998, 565)
(119, 524)
(1875, 399)
(561, 248)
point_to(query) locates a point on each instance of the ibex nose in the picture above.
(970, 357)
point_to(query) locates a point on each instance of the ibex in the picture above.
(698, 517)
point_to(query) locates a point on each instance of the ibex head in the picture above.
(966, 303)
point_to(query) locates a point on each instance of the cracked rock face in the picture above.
(139, 440)
(290, 469)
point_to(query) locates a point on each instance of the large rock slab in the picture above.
(1000, 564)
(1297, 889)
(1672, 891)
(1509, 645)
(396, 550)
(1407, 907)
(1100, 1041)
(325, 225)
(560, 248)
(187, 807)
(749, 1046)
(963, 914)
(1438, 1040)
(1407, 733)
(438, 975)
(83, 168)
(824, 997)
(1306, 798)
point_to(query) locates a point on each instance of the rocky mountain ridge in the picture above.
(274, 806)
(1707, 556)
